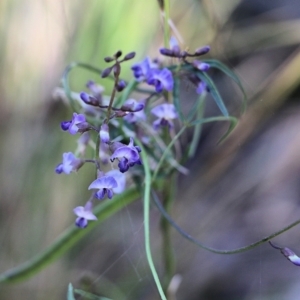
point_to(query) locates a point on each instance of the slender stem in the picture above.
(233, 251)
(146, 220)
(166, 23)
(112, 97)
(167, 249)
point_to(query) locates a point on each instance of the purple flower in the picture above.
(135, 117)
(77, 124)
(104, 133)
(288, 253)
(128, 156)
(174, 50)
(161, 79)
(202, 66)
(84, 215)
(105, 185)
(201, 88)
(69, 164)
(141, 69)
(120, 179)
(132, 105)
(96, 89)
(165, 113)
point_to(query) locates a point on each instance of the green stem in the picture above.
(167, 249)
(147, 190)
(167, 150)
(69, 238)
(166, 23)
(233, 251)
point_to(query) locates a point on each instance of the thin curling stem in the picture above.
(233, 251)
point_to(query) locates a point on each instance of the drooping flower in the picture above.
(128, 156)
(105, 185)
(165, 112)
(69, 164)
(161, 79)
(288, 253)
(84, 214)
(77, 124)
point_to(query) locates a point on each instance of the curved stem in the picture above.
(233, 251)
(67, 239)
(148, 181)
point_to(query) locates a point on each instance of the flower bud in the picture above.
(108, 59)
(129, 56)
(106, 72)
(120, 85)
(202, 50)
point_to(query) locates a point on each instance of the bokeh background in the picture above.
(236, 192)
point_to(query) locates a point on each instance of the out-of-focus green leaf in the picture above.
(214, 92)
(233, 121)
(220, 66)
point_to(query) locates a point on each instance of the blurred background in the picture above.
(236, 193)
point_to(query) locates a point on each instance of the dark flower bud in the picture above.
(106, 72)
(118, 54)
(166, 52)
(117, 70)
(129, 56)
(202, 50)
(86, 98)
(108, 59)
(120, 85)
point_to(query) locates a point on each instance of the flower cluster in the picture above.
(118, 124)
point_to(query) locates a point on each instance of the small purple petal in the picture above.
(76, 120)
(64, 125)
(103, 182)
(120, 179)
(81, 222)
(161, 79)
(104, 133)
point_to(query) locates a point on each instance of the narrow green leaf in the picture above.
(68, 238)
(233, 121)
(218, 65)
(70, 292)
(214, 92)
(90, 296)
